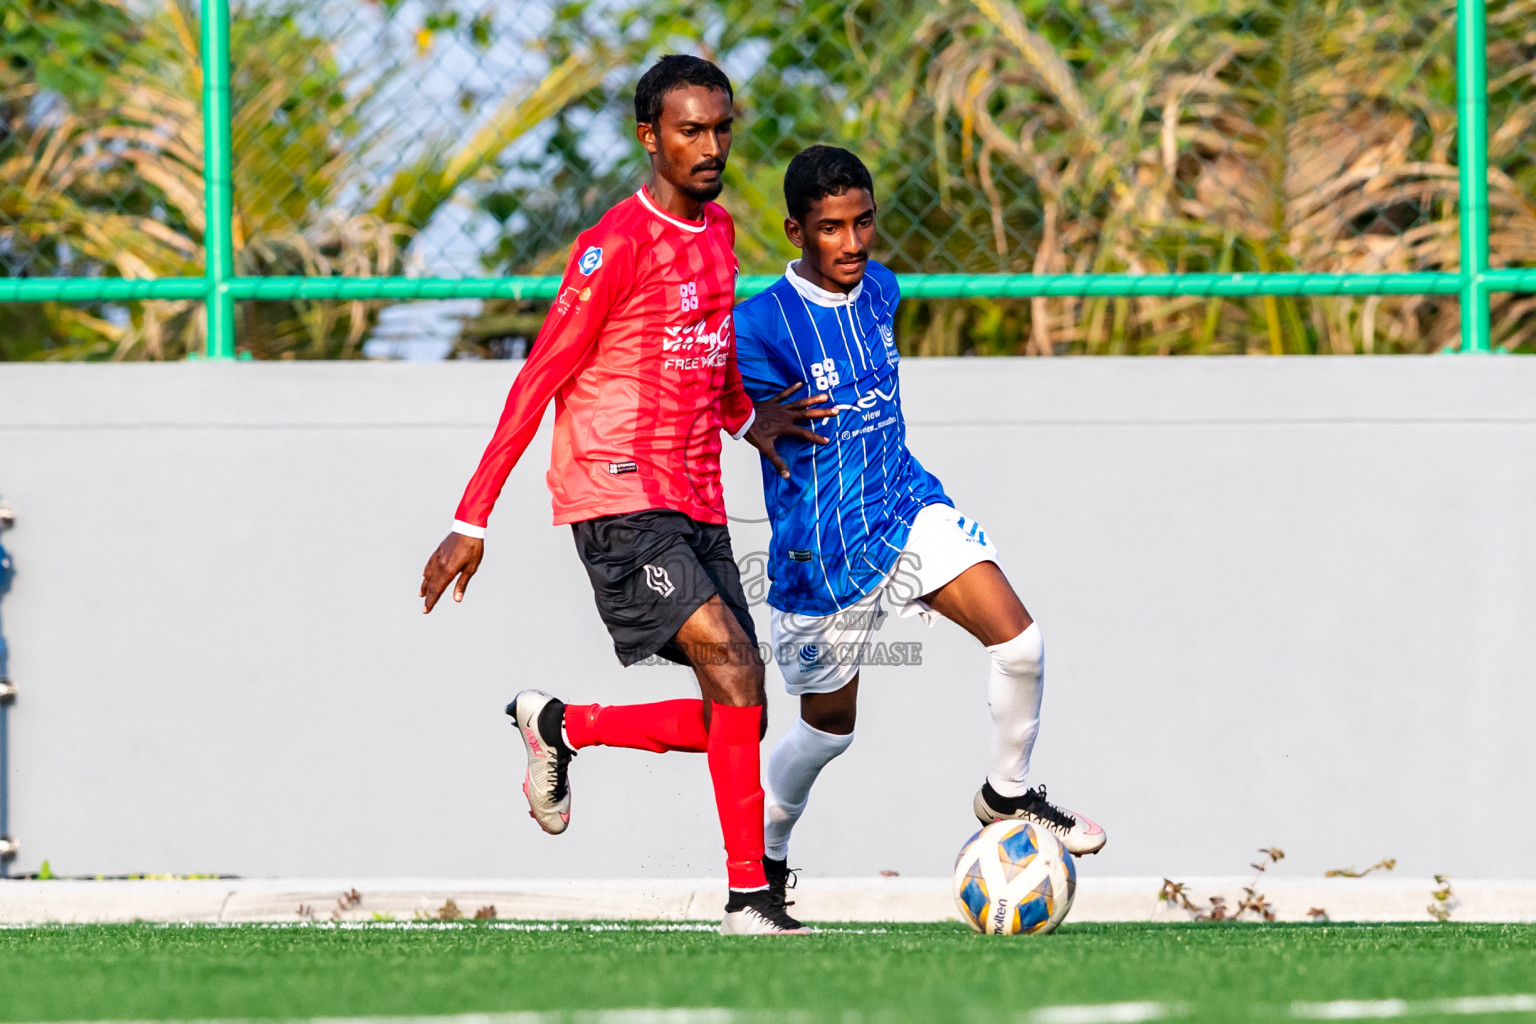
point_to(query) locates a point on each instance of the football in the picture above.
(1013, 878)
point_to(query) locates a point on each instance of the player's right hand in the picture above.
(457, 555)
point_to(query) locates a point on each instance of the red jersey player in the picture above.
(639, 357)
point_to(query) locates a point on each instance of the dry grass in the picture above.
(1308, 137)
(1146, 136)
(116, 179)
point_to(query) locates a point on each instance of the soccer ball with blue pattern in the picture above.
(1013, 878)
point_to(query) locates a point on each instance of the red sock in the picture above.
(667, 725)
(734, 767)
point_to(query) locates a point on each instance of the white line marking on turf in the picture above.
(440, 926)
(1351, 1009)
(1368, 1009)
(1489, 1004)
(1106, 1013)
(655, 1017)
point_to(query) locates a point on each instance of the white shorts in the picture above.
(821, 653)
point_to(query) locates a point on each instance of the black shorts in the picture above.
(650, 571)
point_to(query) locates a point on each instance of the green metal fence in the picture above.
(1034, 197)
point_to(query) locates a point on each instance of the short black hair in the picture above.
(675, 71)
(822, 171)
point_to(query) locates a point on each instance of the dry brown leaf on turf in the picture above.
(1218, 911)
(1256, 903)
(449, 911)
(1445, 900)
(1176, 894)
(1385, 864)
(486, 913)
(349, 900)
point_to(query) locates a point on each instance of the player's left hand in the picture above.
(778, 418)
(457, 556)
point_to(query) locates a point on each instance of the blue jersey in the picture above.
(842, 517)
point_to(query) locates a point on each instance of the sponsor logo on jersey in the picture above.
(870, 399)
(888, 335)
(826, 374)
(657, 579)
(615, 468)
(682, 339)
(590, 260)
(693, 347)
(568, 297)
(796, 555)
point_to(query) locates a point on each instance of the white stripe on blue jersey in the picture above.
(843, 516)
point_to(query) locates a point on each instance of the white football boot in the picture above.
(760, 912)
(546, 784)
(1078, 834)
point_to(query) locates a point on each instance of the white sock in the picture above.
(794, 764)
(1014, 689)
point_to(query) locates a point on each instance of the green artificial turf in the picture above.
(895, 973)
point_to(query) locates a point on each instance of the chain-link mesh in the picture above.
(100, 170)
(466, 137)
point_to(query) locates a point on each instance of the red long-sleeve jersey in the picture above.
(639, 356)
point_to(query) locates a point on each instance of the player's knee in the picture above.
(755, 682)
(838, 721)
(742, 686)
(1024, 655)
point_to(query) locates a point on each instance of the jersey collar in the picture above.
(820, 296)
(686, 225)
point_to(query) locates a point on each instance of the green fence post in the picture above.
(1472, 162)
(218, 195)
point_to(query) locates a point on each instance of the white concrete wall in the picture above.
(1286, 601)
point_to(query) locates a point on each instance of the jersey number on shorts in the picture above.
(973, 532)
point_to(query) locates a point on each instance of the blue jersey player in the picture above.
(859, 524)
